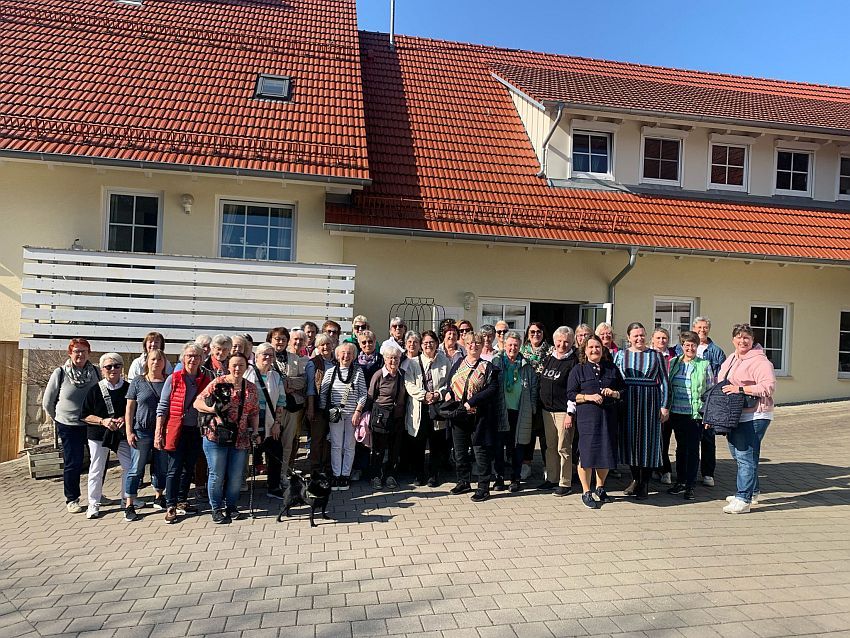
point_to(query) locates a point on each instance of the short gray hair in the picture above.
(263, 347)
(345, 345)
(564, 331)
(111, 356)
(398, 320)
(412, 333)
(192, 345)
(513, 334)
(698, 319)
(295, 332)
(322, 339)
(223, 341)
(389, 349)
(203, 340)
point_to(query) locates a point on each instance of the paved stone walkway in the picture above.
(420, 562)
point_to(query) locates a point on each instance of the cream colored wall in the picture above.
(535, 121)
(627, 152)
(723, 290)
(50, 206)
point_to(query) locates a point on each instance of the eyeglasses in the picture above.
(267, 354)
(501, 332)
(431, 344)
(79, 351)
(113, 366)
(367, 341)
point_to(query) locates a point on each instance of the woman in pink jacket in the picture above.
(748, 372)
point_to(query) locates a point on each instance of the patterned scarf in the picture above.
(80, 378)
(536, 355)
(366, 359)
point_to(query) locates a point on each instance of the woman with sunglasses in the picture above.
(104, 410)
(424, 379)
(358, 325)
(535, 349)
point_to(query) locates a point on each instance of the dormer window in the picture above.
(273, 87)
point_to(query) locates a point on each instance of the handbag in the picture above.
(111, 438)
(334, 413)
(454, 410)
(380, 417)
(363, 431)
(723, 411)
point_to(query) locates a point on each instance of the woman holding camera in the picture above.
(341, 397)
(227, 438)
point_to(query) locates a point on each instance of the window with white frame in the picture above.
(676, 315)
(661, 159)
(844, 345)
(844, 177)
(133, 223)
(253, 230)
(770, 330)
(591, 154)
(728, 167)
(793, 172)
(512, 312)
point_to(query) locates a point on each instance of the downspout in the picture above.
(392, 25)
(633, 253)
(549, 135)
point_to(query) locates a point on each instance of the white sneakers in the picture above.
(666, 479)
(708, 481)
(93, 511)
(74, 507)
(737, 506)
(525, 472)
(753, 501)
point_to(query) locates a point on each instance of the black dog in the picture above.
(219, 399)
(316, 493)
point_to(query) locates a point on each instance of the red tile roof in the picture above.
(449, 154)
(173, 82)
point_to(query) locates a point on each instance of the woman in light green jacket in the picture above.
(690, 377)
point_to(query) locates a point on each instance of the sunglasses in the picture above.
(464, 330)
(358, 328)
(501, 332)
(399, 325)
(113, 366)
(535, 332)
(331, 332)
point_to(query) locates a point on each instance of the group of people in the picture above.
(475, 400)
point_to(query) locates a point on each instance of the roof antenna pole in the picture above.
(392, 24)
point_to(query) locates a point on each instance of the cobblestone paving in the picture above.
(419, 562)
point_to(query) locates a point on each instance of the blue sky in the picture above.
(805, 42)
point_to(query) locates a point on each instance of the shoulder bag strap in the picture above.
(241, 403)
(463, 397)
(104, 390)
(262, 385)
(347, 387)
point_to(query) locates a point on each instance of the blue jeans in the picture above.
(138, 460)
(181, 466)
(745, 448)
(74, 441)
(226, 465)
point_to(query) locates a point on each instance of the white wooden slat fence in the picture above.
(113, 299)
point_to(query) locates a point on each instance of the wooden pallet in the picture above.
(45, 463)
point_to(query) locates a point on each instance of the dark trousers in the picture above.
(709, 452)
(181, 463)
(74, 441)
(666, 435)
(688, 434)
(537, 433)
(435, 440)
(273, 451)
(641, 476)
(320, 449)
(508, 449)
(387, 444)
(463, 460)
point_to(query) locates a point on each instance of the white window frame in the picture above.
(609, 176)
(845, 154)
(784, 371)
(658, 133)
(674, 338)
(745, 188)
(605, 308)
(505, 302)
(220, 200)
(842, 375)
(134, 192)
(810, 179)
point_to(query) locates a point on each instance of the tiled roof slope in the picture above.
(448, 153)
(691, 94)
(173, 81)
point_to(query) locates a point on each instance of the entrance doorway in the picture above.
(555, 315)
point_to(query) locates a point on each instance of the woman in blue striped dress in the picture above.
(644, 409)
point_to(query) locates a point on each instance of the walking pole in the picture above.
(253, 480)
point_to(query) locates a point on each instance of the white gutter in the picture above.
(633, 253)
